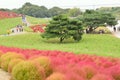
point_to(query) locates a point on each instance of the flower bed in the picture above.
(5, 14)
(38, 28)
(48, 65)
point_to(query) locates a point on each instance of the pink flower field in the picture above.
(32, 64)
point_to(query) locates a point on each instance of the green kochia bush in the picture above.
(45, 62)
(6, 58)
(28, 71)
(13, 63)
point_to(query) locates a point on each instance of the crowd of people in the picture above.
(18, 28)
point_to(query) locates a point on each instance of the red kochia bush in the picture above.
(101, 77)
(89, 70)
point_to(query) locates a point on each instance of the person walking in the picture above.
(114, 28)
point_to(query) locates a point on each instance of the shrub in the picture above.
(1, 53)
(12, 64)
(89, 70)
(45, 62)
(6, 58)
(56, 76)
(102, 28)
(115, 72)
(102, 77)
(28, 71)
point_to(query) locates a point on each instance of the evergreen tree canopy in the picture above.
(63, 27)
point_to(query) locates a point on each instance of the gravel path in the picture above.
(4, 75)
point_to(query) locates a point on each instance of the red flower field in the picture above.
(57, 65)
(5, 14)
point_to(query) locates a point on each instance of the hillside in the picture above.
(8, 23)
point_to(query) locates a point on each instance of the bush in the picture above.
(6, 58)
(45, 63)
(28, 71)
(13, 63)
(102, 77)
(1, 53)
(89, 70)
(56, 76)
(104, 29)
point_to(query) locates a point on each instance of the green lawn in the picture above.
(33, 20)
(105, 45)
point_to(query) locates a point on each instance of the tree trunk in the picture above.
(90, 29)
(61, 39)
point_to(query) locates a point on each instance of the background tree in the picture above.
(93, 19)
(62, 27)
(74, 12)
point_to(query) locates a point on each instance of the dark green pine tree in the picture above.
(63, 27)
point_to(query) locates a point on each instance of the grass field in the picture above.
(104, 45)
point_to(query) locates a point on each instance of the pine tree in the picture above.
(63, 27)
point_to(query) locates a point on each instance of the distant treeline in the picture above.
(43, 12)
(113, 10)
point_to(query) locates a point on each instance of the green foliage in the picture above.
(27, 71)
(113, 10)
(63, 27)
(39, 11)
(74, 12)
(93, 19)
(6, 58)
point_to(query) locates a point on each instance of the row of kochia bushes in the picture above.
(56, 65)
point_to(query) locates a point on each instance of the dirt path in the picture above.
(4, 75)
(116, 34)
(12, 34)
